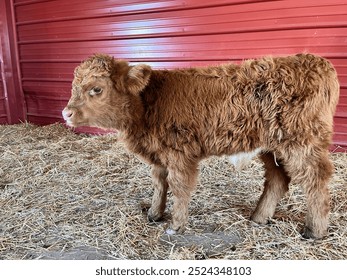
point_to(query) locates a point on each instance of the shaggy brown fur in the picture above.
(174, 119)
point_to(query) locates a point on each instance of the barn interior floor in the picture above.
(73, 196)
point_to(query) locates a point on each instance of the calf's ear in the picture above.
(138, 77)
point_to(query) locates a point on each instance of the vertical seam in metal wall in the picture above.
(3, 79)
(17, 60)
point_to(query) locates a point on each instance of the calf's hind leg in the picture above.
(159, 177)
(275, 186)
(313, 172)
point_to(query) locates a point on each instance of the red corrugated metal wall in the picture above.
(12, 107)
(54, 36)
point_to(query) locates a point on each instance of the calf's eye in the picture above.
(95, 91)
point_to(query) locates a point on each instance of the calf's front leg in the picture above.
(181, 182)
(159, 177)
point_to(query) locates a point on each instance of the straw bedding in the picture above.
(73, 196)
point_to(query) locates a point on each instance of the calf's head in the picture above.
(106, 93)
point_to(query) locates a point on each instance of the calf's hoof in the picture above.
(259, 219)
(171, 230)
(308, 233)
(154, 217)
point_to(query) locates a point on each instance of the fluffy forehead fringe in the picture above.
(99, 65)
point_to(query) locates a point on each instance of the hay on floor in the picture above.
(64, 195)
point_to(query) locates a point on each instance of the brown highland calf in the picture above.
(280, 106)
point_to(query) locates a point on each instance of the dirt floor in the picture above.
(69, 196)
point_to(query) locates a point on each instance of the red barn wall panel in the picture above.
(12, 109)
(54, 36)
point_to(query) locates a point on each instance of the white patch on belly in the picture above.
(240, 160)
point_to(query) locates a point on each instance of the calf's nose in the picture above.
(67, 114)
